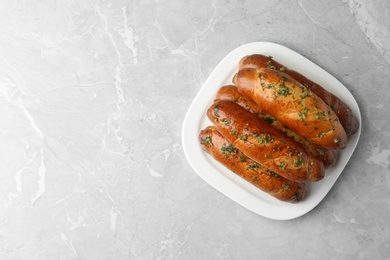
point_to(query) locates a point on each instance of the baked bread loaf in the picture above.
(342, 110)
(225, 153)
(294, 105)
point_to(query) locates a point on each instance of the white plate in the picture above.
(226, 181)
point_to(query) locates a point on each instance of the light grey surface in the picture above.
(93, 97)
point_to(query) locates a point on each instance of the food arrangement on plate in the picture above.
(276, 128)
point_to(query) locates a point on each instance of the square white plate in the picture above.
(229, 183)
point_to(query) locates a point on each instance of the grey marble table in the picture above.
(92, 100)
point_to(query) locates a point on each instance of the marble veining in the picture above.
(92, 100)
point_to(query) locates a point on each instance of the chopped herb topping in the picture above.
(321, 116)
(225, 121)
(227, 150)
(321, 135)
(298, 162)
(271, 66)
(295, 196)
(284, 90)
(235, 133)
(337, 140)
(216, 109)
(285, 186)
(320, 151)
(304, 94)
(302, 114)
(269, 120)
(282, 165)
(253, 167)
(264, 138)
(242, 159)
(207, 140)
(243, 137)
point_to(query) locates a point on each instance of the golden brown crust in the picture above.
(263, 143)
(293, 105)
(230, 92)
(233, 159)
(343, 112)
